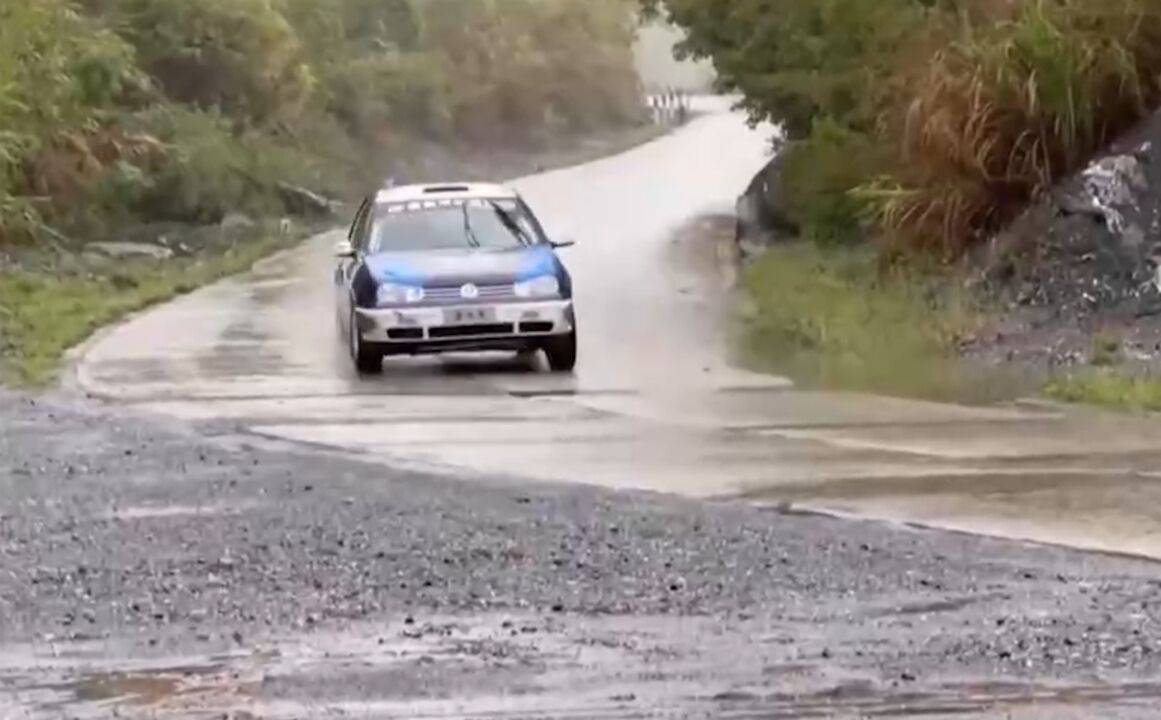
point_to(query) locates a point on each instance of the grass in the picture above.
(1014, 101)
(834, 319)
(1109, 388)
(1107, 382)
(46, 311)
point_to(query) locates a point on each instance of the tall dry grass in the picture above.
(1019, 95)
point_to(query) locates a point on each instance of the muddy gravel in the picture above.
(156, 537)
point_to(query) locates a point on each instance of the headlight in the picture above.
(393, 294)
(543, 286)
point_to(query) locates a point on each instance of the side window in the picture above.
(530, 222)
(355, 221)
(368, 222)
(358, 233)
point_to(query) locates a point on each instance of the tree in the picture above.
(797, 60)
(238, 56)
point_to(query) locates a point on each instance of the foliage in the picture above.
(241, 57)
(113, 110)
(59, 82)
(1005, 111)
(209, 170)
(796, 60)
(502, 76)
(823, 168)
(973, 106)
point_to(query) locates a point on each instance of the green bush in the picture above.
(374, 96)
(1009, 108)
(819, 176)
(797, 60)
(973, 107)
(120, 110)
(240, 57)
(60, 82)
(539, 65)
(209, 169)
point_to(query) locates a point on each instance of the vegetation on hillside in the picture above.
(155, 110)
(911, 131)
(930, 123)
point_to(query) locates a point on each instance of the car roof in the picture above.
(448, 191)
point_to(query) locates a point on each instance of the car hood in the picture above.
(456, 267)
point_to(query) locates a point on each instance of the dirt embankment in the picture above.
(1074, 282)
(1076, 277)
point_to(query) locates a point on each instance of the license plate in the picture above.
(468, 316)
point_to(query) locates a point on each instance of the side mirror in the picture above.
(344, 249)
(567, 242)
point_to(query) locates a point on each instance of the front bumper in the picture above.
(476, 326)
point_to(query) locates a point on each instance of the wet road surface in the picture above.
(654, 404)
(148, 570)
(478, 543)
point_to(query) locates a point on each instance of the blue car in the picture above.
(452, 268)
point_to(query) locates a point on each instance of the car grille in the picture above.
(461, 331)
(488, 293)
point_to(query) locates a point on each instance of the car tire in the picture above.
(561, 352)
(368, 359)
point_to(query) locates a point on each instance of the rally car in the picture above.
(466, 267)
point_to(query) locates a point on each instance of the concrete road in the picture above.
(655, 404)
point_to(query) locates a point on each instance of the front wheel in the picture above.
(561, 352)
(368, 359)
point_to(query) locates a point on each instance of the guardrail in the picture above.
(670, 108)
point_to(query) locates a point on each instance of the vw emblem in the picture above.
(469, 292)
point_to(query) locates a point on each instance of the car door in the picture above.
(346, 266)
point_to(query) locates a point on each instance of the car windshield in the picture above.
(421, 225)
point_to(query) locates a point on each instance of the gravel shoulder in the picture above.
(129, 541)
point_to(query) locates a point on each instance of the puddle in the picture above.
(141, 689)
(226, 361)
(147, 512)
(500, 665)
(568, 392)
(244, 333)
(976, 700)
(123, 693)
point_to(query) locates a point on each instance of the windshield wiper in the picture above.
(511, 223)
(472, 239)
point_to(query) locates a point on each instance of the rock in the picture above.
(307, 202)
(762, 217)
(123, 250)
(1093, 242)
(235, 221)
(237, 225)
(1085, 256)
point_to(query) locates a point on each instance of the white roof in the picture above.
(448, 191)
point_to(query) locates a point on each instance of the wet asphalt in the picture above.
(183, 574)
(232, 523)
(656, 403)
